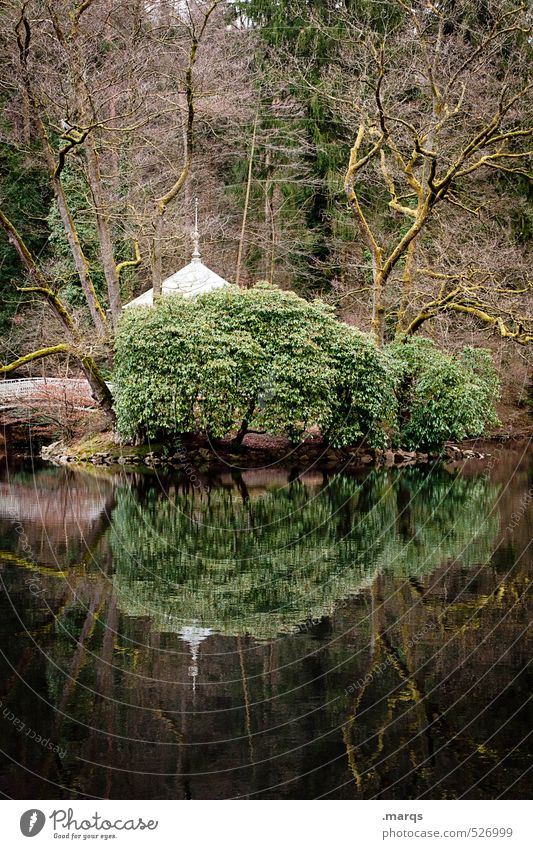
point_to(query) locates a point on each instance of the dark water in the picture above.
(266, 635)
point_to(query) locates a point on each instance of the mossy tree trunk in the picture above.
(75, 345)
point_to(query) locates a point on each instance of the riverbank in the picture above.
(257, 450)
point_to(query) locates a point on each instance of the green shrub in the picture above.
(442, 396)
(283, 365)
(261, 355)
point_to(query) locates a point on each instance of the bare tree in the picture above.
(113, 93)
(195, 20)
(75, 344)
(470, 114)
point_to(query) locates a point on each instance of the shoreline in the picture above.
(257, 451)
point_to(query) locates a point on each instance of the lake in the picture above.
(267, 634)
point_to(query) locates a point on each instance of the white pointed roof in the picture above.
(194, 279)
(144, 300)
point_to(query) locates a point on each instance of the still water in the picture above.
(267, 634)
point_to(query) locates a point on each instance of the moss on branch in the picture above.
(34, 355)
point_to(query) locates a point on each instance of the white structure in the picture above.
(194, 635)
(194, 279)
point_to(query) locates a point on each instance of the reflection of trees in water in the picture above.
(115, 673)
(59, 513)
(263, 567)
(445, 695)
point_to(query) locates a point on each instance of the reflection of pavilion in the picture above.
(194, 635)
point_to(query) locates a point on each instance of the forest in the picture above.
(372, 158)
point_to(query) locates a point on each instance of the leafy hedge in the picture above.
(443, 396)
(281, 364)
(260, 355)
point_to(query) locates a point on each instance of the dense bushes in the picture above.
(440, 396)
(267, 359)
(261, 356)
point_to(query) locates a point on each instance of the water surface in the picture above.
(266, 634)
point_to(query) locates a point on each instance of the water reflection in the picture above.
(262, 566)
(262, 635)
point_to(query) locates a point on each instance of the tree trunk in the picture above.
(102, 225)
(268, 217)
(407, 285)
(378, 309)
(246, 202)
(243, 430)
(157, 263)
(99, 387)
(80, 261)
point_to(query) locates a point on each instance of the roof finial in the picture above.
(196, 233)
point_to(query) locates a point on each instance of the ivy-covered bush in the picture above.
(262, 356)
(443, 396)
